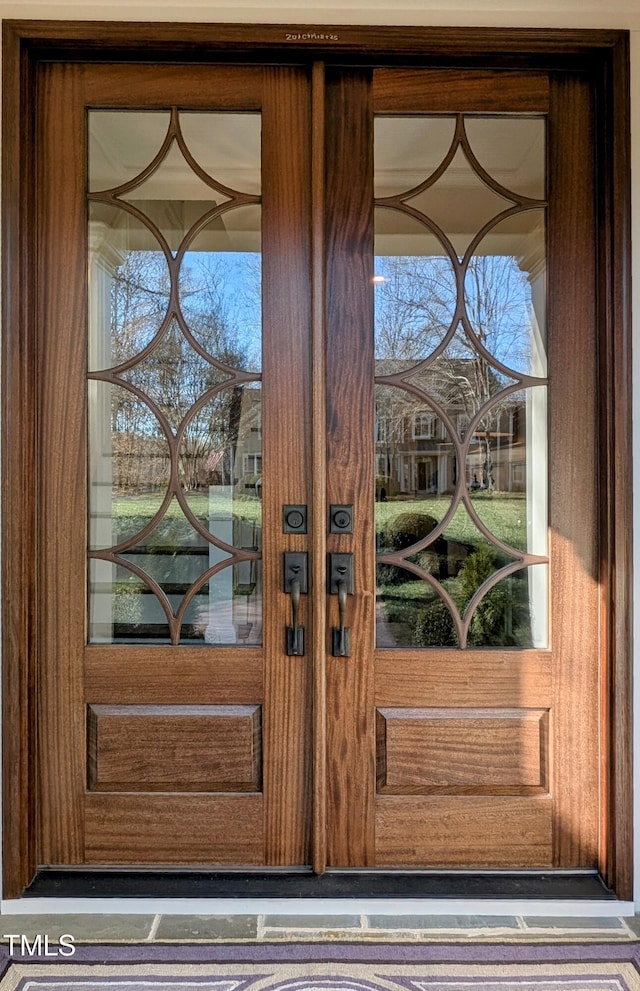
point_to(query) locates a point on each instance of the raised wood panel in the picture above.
(173, 829)
(459, 91)
(477, 678)
(461, 751)
(178, 675)
(463, 831)
(174, 748)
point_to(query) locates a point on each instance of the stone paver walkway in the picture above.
(269, 928)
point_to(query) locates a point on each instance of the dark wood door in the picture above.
(455, 724)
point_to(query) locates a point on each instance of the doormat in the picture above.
(330, 967)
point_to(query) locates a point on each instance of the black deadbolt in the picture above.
(294, 519)
(341, 519)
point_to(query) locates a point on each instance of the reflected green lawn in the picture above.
(201, 504)
(504, 514)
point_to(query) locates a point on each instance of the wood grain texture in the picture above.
(179, 675)
(604, 56)
(464, 678)
(318, 541)
(125, 675)
(197, 87)
(616, 523)
(173, 829)
(461, 760)
(461, 751)
(349, 326)
(114, 39)
(61, 406)
(463, 831)
(286, 435)
(573, 498)
(459, 90)
(174, 748)
(19, 503)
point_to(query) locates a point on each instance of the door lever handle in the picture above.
(341, 638)
(295, 583)
(341, 584)
(295, 633)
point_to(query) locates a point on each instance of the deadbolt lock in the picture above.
(294, 519)
(340, 519)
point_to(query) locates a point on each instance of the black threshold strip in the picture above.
(139, 883)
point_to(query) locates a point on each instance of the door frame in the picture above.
(602, 55)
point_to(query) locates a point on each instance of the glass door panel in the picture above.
(174, 378)
(460, 330)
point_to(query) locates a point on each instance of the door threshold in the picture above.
(57, 882)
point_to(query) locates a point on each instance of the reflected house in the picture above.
(247, 457)
(415, 451)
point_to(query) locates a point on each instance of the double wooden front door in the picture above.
(346, 315)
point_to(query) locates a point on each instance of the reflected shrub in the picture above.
(407, 529)
(434, 627)
(400, 533)
(501, 618)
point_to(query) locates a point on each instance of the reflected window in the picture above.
(424, 426)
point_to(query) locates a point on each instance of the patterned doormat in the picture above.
(330, 967)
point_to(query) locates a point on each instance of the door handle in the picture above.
(341, 584)
(295, 583)
(295, 633)
(341, 635)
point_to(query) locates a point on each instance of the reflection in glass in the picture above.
(513, 612)
(409, 150)
(460, 203)
(415, 292)
(174, 198)
(130, 464)
(122, 144)
(461, 419)
(123, 607)
(230, 609)
(174, 376)
(226, 146)
(511, 150)
(505, 293)
(175, 451)
(220, 288)
(129, 286)
(409, 612)
(221, 450)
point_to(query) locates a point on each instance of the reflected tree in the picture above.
(173, 374)
(415, 306)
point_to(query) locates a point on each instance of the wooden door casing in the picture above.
(394, 690)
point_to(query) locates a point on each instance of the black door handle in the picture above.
(295, 583)
(341, 584)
